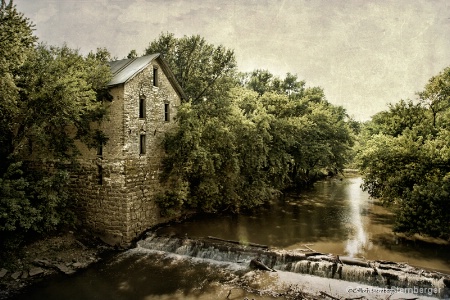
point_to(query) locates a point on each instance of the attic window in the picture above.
(142, 108)
(155, 76)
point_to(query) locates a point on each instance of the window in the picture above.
(142, 108)
(142, 144)
(100, 175)
(166, 112)
(155, 76)
(100, 150)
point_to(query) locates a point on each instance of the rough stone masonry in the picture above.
(116, 184)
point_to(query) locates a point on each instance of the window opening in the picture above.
(142, 107)
(166, 112)
(155, 76)
(100, 175)
(100, 150)
(142, 144)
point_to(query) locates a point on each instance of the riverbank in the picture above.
(64, 253)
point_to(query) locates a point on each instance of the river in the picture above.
(335, 216)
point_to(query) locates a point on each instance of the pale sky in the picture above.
(363, 53)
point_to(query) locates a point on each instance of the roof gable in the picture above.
(125, 69)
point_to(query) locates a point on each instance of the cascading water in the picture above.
(375, 273)
(336, 216)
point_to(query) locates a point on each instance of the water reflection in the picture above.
(357, 238)
(335, 216)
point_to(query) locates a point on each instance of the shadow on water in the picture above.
(332, 217)
(138, 276)
(335, 216)
(381, 218)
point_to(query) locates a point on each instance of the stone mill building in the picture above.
(118, 182)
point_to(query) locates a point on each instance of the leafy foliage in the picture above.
(236, 151)
(203, 70)
(49, 97)
(406, 163)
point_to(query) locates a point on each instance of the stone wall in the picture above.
(116, 190)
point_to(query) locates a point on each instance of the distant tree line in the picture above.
(405, 159)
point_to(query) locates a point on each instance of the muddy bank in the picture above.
(65, 253)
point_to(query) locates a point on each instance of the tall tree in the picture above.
(203, 70)
(406, 163)
(237, 152)
(262, 81)
(16, 45)
(399, 117)
(436, 95)
(49, 97)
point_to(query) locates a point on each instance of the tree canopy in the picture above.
(405, 159)
(239, 149)
(49, 97)
(203, 70)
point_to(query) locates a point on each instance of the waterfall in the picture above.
(376, 273)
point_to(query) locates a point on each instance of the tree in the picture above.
(217, 157)
(16, 45)
(203, 70)
(51, 97)
(399, 117)
(259, 81)
(436, 95)
(262, 81)
(60, 90)
(132, 54)
(405, 160)
(238, 151)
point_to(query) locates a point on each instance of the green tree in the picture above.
(203, 70)
(405, 160)
(436, 95)
(132, 54)
(259, 81)
(400, 116)
(262, 81)
(16, 45)
(238, 152)
(61, 91)
(51, 97)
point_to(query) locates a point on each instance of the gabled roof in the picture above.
(125, 69)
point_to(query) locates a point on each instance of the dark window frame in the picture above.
(142, 144)
(100, 175)
(155, 77)
(167, 112)
(100, 150)
(142, 107)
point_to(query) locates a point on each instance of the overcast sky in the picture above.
(364, 54)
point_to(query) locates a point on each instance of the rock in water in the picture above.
(257, 264)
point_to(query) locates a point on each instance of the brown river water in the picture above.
(335, 216)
